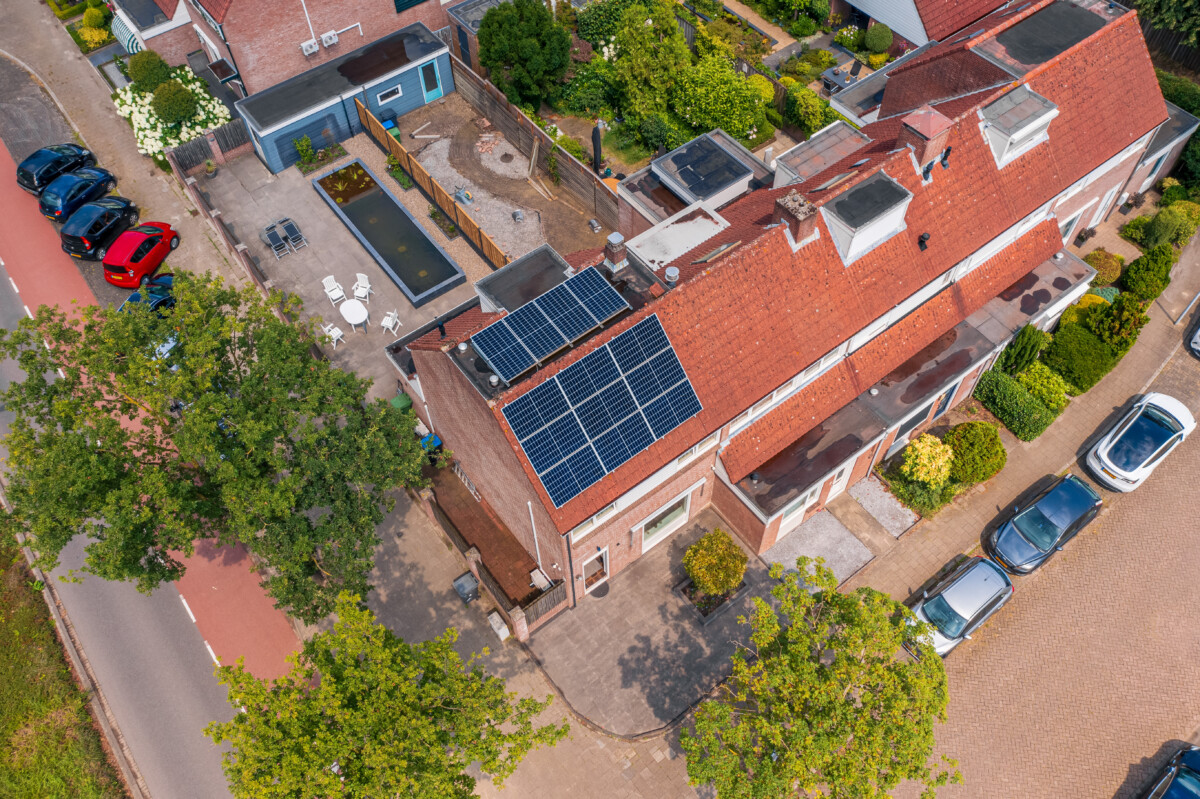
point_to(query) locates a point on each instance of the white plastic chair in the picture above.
(335, 334)
(362, 288)
(333, 290)
(391, 321)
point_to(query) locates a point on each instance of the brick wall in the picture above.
(1142, 172)
(463, 421)
(1117, 177)
(472, 56)
(748, 526)
(269, 54)
(175, 44)
(630, 222)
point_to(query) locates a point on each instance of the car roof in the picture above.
(82, 219)
(125, 244)
(975, 587)
(1067, 501)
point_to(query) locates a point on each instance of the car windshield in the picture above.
(1188, 781)
(50, 197)
(942, 616)
(1150, 430)
(1037, 529)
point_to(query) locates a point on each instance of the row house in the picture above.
(767, 333)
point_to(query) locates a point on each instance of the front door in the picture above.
(464, 47)
(595, 570)
(431, 83)
(840, 479)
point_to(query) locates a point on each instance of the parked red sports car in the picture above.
(137, 253)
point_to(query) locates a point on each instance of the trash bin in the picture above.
(402, 402)
(467, 587)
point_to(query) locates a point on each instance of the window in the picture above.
(388, 95)
(1068, 227)
(1016, 123)
(582, 530)
(659, 526)
(696, 450)
(802, 504)
(595, 570)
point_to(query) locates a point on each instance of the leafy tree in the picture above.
(173, 102)
(524, 50)
(1177, 15)
(713, 95)
(715, 563)
(93, 18)
(822, 702)
(1022, 351)
(363, 713)
(213, 423)
(878, 38)
(651, 55)
(599, 21)
(147, 70)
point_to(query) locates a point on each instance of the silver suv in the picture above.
(963, 600)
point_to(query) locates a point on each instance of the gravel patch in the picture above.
(886, 509)
(492, 213)
(822, 536)
(504, 159)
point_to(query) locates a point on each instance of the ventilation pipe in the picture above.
(672, 276)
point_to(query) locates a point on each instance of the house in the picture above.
(915, 22)
(255, 44)
(160, 25)
(769, 333)
(391, 76)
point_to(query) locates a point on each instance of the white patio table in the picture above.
(354, 312)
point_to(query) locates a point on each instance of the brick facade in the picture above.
(175, 44)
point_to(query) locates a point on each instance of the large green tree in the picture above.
(524, 50)
(651, 56)
(147, 434)
(713, 95)
(1182, 16)
(824, 702)
(364, 714)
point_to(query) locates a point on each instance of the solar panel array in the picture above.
(602, 410)
(541, 327)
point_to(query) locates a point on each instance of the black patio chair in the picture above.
(292, 231)
(272, 239)
(856, 69)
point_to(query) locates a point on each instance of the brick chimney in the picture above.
(614, 253)
(797, 213)
(926, 131)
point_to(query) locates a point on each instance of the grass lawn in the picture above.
(633, 156)
(50, 747)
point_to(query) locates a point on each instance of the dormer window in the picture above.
(866, 216)
(1016, 123)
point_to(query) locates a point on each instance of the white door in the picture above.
(1105, 204)
(793, 514)
(840, 479)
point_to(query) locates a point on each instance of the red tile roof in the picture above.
(745, 324)
(943, 17)
(458, 328)
(932, 81)
(217, 9)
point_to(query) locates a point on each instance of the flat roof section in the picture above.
(144, 13)
(340, 76)
(1178, 123)
(823, 150)
(652, 195)
(525, 279)
(1017, 110)
(701, 168)
(1055, 29)
(865, 96)
(868, 201)
(471, 13)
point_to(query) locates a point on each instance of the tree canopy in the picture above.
(213, 422)
(364, 714)
(824, 702)
(1182, 16)
(651, 55)
(524, 50)
(713, 95)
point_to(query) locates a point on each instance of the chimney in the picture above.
(797, 213)
(926, 131)
(614, 253)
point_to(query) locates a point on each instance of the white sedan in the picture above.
(1128, 453)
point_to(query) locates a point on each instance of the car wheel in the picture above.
(109, 186)
(145, 281)
(133, 218)
(174, 242)
(100, 253)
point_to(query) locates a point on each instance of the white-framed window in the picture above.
(691, 453)
(387, 95)
(811, 373)
(665, 521)
(582, 530)
(1067, 227)
(799, 505)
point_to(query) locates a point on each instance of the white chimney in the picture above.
(614, 253)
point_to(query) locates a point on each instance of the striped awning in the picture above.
(125, 33)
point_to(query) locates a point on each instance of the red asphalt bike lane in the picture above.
(222, 593)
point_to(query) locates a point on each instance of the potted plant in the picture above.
(715, 566)
(210, 167)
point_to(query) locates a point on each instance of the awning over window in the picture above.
(124, 33)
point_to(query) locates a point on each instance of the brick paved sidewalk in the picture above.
(933, 543)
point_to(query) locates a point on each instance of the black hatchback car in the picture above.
(1034, 534)
(67, 192)
(36, 171)
(96, 225)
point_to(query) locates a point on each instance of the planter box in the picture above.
(729, 602)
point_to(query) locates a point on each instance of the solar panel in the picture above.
(602, 410)
(539, 328)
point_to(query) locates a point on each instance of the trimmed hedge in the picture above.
(1166, 227)
(878, 38)
(922, 498)
(1013, 405)
(1023, 350)
(1107, 265)
(1106, 293)
(148, 71)
(1079, 357)
(1149, 275)
(173, 102)
(978, 452)
(1082, 310)
(1046, 386)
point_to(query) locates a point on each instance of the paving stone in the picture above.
(880, 503)
(821, 536)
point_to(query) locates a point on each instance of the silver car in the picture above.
(963, 600)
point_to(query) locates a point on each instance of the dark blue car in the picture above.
(67, 192)
(1180, 778)
(1034, 534)
(156, 295)
(36, 171)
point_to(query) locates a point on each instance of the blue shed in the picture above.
(391, 76)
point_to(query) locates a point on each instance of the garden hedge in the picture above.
(1013, 405)
(878, 38)
(978, 452)
(148, 71)
(1150, 274)
(1083, 309)
(173, 102)
(1046, 386)
(1107, 265)
(1165, 227)
(1079, 357)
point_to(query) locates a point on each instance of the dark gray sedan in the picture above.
(1034, 534)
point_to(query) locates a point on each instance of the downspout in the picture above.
(536, 547)
(571, 570)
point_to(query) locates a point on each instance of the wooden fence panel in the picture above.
(469, 227)
(232, 135)
(362, 113)
(192, 154)
(444, 201)
(401, 154)
(421, 176)
(492, 252)
(545, 603)
(1170, 44)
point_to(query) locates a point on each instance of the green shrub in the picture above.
(1023, 350)
(1107, 265)
(819, 10)
(572, 146)
(978, 452)
(1080, 311)
(803, 26)
(1046, 386)
(849, 37)
(764, 87)
(148, 71)
(1149, 275)
(1180, 91)
(878, 38)
(591, 90)
(1106, 293)
(927, 460)
(877, 60)
(1013, 405)
(1191, 215)
(1165, 227)
(1135, 229)
(1118, 325)
(657, 131)
(1079, 357)
(1172, 191)
(93, 18)
(715, 563)
(304, 149)
(805, 108)
(173, 102)
(598, 22)
(923, 499)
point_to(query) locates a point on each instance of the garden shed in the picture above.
(391, 76)
(467, 18)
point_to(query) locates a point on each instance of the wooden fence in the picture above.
(229, 138)
(575, 178)
(546, 602)
(232, 135)
(1170, 44)
(192, 154)
(434, 190)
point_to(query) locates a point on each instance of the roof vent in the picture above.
(494, 381)
(462, 346)
(672, 276)
(923, 241)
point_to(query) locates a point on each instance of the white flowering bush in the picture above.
(155, 136)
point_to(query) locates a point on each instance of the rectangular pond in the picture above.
(404, 251)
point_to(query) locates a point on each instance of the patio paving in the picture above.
(635, 659)
(249, 197)
(822, 536)
(887, 510)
